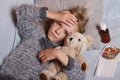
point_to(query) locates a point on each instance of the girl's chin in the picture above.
(51, 38)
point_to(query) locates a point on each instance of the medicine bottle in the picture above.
(104, 33)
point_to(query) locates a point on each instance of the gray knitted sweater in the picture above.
(22, 63)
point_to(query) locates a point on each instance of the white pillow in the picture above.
(94, 8)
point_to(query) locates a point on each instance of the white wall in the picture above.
(7, 27)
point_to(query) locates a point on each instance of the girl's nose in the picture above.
(59, 31)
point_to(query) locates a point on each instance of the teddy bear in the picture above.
(74, 44)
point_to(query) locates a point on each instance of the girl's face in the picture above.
(58, 31)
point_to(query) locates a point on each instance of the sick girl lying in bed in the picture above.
(29, 58)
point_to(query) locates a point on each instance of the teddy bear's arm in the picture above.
(82, 62)
(73, 70)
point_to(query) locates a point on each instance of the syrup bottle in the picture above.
(104, 33)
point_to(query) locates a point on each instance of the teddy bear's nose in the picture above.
(70, 39)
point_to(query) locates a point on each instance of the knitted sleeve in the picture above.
(7, 77)
(28, 17)
(73, 70)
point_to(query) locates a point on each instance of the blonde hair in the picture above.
(81, 15)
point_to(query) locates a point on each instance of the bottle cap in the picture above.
(103, 26)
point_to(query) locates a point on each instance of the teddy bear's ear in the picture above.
(89, 40)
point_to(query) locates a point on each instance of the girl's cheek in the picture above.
(62, 37)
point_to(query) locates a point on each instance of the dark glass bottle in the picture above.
(104, 33)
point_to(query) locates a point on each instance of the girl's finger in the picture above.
(70, 23)
(73, 18)
(43, 58)
(41, 54)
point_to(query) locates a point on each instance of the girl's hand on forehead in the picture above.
(70, 28)
(66, 17)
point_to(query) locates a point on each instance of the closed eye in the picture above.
(59, 24)
(66, 32)
(79, 39)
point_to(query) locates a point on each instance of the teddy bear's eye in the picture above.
(70, 39)
(79, 39)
